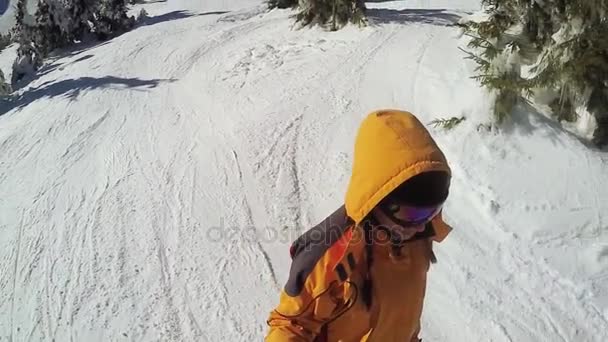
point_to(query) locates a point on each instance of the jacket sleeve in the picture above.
(304, 326)
(308, 300)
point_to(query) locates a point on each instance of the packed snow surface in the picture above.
(150, 185)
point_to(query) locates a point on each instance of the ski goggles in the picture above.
(409, 216)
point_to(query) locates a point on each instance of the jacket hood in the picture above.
(391, 147)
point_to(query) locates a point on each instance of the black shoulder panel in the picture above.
(310, 247)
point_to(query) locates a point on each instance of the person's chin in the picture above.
(403, 234)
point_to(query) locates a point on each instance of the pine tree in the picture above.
(28, 58)
(19, 19)
(27, 62)
(554, 45)
(333, 14)
(49, 33)
(79, 15)
(111, 18)
(63, 22)
(282, 3)
(5, 40)
(60, 23)
(5, 88)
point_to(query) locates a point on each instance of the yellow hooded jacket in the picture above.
(323, 297)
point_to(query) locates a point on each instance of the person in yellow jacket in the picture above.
(360, 275)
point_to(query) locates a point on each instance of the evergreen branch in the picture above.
(447, 124)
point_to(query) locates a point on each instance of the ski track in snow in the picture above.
(156, 201)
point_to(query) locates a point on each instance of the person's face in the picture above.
(397, 231)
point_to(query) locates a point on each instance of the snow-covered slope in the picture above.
(150, 186)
